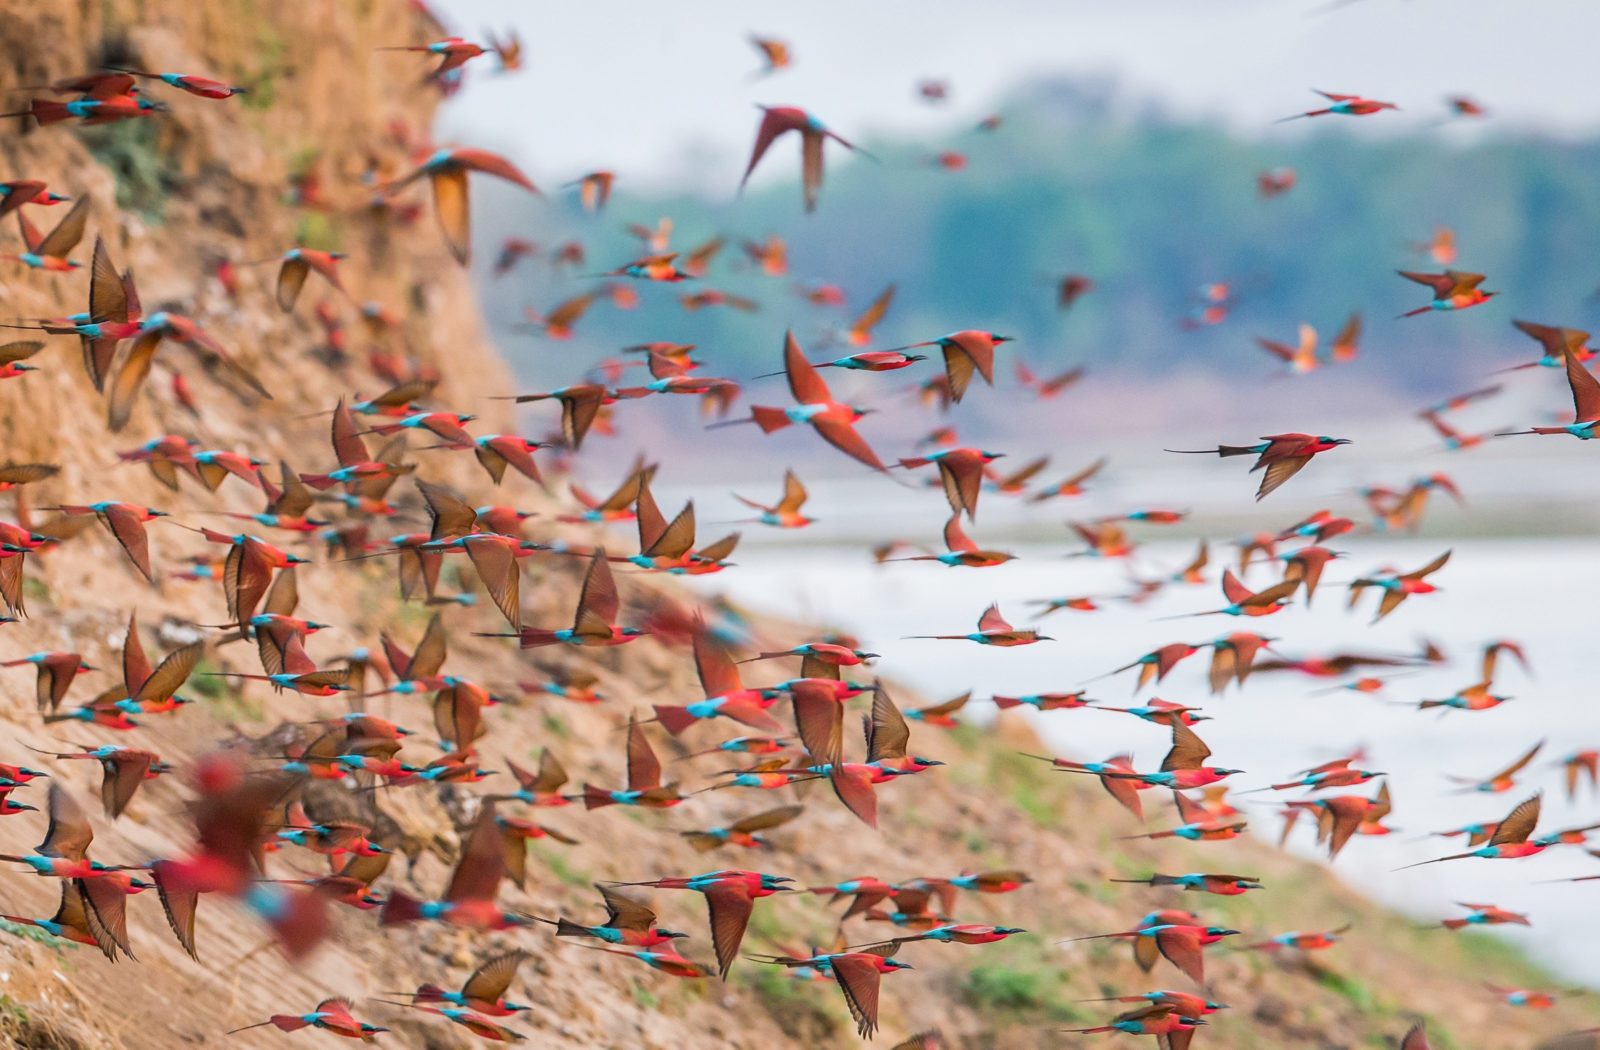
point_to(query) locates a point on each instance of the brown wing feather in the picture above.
(805, 382)
(129, 532)
(497, 568)
(291, 278)
(1519, 823)
(890, 735)
(452, 205)
(958, 367)
(859, 979)
(644, 768)
(130, 377)
(1279, 471)
(171, 673)
(68, 232)
(1188, 750)
(599, 594)
(729, 906)
(843, 436)
(482, 862)
(489, 982)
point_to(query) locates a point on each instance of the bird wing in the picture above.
(452, 205)
(129, 532)
(136, 666)
(991, 620)
(625, 913)
(805, 382)
(794, 494)
(888, 735)
(963, 480)
(1188, 750)
(68, 835)
(810, 166)
(858, 979)
(1461, 281)
(1519, 823)
(108, 296)
(955, 538)
(855, 790)
(291, 278)
(552, 774)
(1441, 283)
(818, 719)
(489, 982)
(773, 124)
(122, 778)
(68, 232)
(497, 568)
(845, 438)
(1279, 471)
(1585, 390)
(644, 768)
(771, 818)
(729, 906)
(599, 595)
(719, 675)
(482, 862)
(958, 367)
(1182, 948)
(130, 378)
(873, 314)
(1416, 1038)
(1429, 569)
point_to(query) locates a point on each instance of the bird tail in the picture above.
(768, 418)
(44, 111)
(674, 719)
(596, 798)
(1449, 924)
(1436, 860)
(320, 482)
(1413, 313)
(1090, 1031)
(1152, 881)
(1006, 703)
(568, 928)
(400, 908)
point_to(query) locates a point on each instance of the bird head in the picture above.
(1223, 772)
(295, 559)
(634, 632)
(896, 964)
(1220, 931)
(1330, 442)
(996, 337)
(671, 935)
(1009, 930)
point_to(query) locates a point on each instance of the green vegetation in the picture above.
(559, 866)
(798, 1007)
(1017, 978)
(132, 151)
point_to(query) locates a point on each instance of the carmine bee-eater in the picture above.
(56, 673)
(1512, 838)
(1199, 824)
(814, 405)
(469, 900)
(785, 514)
(200, 87)
(644, 779)
(1397, 587)
(1281, 455)
(447, 171)
(542, 788)
(1242, 601)
(744, 832)
(1345, 106)
(1162, 712)
(857, 973)
(961, 550)
(1072, 486)
(860, 332)
(779, 120)
(1483, 915)
(330, 1015)
(730, 899)
(483, 992)
(1125, 792)
(1222, 885)
(940, 715)
(1157, 664)
(123, 770)
(993, 629)
(1305, 942)
(1183, 767)
(1555, 342)
(49, 251)
(1452, 290)
(1166, 1023)
(595, 621)
(961, 473)
(725, 693)
(1585, 404)
(965, 352)
(628, 922)
(1182, 945)
(17, 192)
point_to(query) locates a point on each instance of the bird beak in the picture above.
(1343, 441)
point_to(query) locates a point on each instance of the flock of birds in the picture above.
(247, 805)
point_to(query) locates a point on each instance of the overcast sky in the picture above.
(642, 88)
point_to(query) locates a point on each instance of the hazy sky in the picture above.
(635, 86)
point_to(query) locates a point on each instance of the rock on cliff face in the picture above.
(210, 180)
